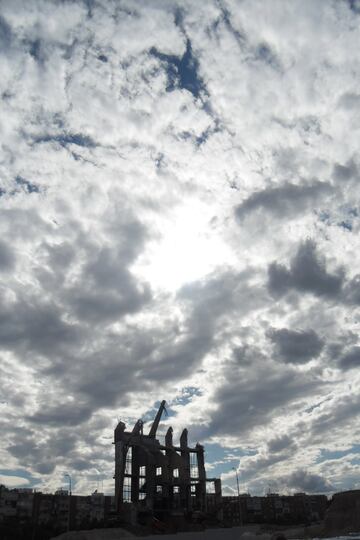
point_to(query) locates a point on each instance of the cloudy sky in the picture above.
(179, 220)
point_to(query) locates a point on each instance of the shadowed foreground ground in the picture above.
(234, 533)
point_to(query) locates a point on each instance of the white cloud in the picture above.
(13, 481)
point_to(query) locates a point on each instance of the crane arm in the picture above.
(155, 425)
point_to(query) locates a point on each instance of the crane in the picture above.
(155, 425)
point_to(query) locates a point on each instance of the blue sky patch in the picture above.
(265, 54)
(159, 160)
(338, 454)
(36, 51)
(187, 394)
(226, 18)
(29, 187)
(354, 5)
(29, 480)
(182, 72)
(151, 413)
(345, 225)
(229, 457)
(198, 140)
(68, 138)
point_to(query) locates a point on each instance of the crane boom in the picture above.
(155, 425)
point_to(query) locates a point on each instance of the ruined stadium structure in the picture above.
(164, 479)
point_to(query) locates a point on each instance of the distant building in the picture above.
(57, 512)
(274, 508)
(16, 504)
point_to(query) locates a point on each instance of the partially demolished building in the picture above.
(164, 479)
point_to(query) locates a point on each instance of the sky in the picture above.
(180, 211)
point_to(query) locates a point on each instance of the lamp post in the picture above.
(68, 475)
(238, 492)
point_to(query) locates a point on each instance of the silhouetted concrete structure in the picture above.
(163, 479)
(343, 515)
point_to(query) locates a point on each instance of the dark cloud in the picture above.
(296, 347)
(32, 453)
(105, 378)
(60, 255)
(62, 414)
(304, 481)
(261, 463)
(351, 359)
(5, 34)
(343, 173)
(99, 305)
(29, 324)
(24, 223)
(243, 355)
(43, 453)
(207, 306)
(307, 273)
(138, 357)
(264, 53)
(63, 331)
(205, 303)
(285, 200)
(354, 5)
(279, 279)
(335, 417)
(351, 293)
(7, 257)
(251, 400)
(350, 101)
(278, 444)
(106, 289)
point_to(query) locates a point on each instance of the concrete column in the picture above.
(201, 488)
(218, 499)
(135, 474)
(184, 471)
(169, 477)
(150, 482)
(120, 452)
(167, 488)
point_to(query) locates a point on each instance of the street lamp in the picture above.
(238, 491)
(68, 475)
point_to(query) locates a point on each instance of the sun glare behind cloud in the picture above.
(188, 250)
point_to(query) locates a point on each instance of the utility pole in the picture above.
(238, 492)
